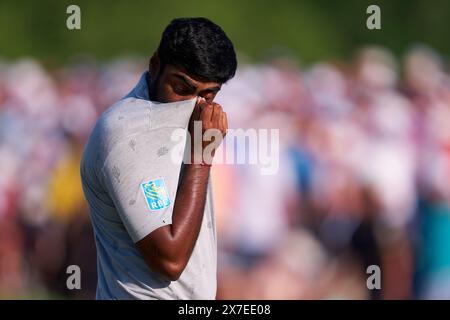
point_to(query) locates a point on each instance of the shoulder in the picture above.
(113, 127)
(121, 120)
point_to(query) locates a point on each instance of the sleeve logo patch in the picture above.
(156, 194)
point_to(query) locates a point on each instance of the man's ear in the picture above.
(154, 64)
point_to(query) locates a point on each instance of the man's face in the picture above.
(175, 84)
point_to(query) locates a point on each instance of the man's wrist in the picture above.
(198, 166)
(200, 160)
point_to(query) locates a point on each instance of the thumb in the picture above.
(197, 111)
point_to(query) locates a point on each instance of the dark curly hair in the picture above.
(200, 47)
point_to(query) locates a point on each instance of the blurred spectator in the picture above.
(364, 165)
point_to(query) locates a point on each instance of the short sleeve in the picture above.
(141, 175)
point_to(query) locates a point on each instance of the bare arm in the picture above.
(167, 249)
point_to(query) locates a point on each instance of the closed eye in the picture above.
(182, 90)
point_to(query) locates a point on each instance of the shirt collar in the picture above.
(140, 91)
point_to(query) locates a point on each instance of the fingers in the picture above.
(196, 113)
(217, 115)
(199, 106)
(214, 117)
(206, 114)
(217, 111)
(224, 123)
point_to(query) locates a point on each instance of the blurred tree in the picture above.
(311, 29)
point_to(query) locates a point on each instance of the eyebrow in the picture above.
(192, 85)
(213, 89)
(186, 80)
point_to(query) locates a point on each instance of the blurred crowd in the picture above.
(364, 156)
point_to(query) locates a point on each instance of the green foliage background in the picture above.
(308, 29)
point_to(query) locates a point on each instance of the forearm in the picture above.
(188, 210)
(167, 250)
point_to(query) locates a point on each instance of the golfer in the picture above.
(153, 218)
